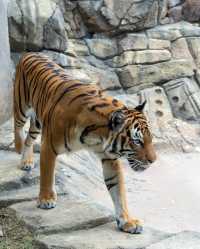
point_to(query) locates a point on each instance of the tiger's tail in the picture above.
(20, 108)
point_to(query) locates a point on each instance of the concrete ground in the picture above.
(165, 197)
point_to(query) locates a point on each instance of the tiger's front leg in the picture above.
(113, 177)
(47, 197)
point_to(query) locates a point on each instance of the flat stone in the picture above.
(106, 79)
(161, 72)
(152, 56)
(140, 57)
(180, 50)
(102, 48)
(25, 194)
(183, 240)
(193, 43)
(133, 42)
(11, 177)
(62, 59)
(102, 237)
(77, 48)
(159, 44)
(67, 216)
(159, 32)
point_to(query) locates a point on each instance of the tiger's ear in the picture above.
(116, 120)
(141, 106)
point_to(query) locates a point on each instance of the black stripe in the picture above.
(115, 102)
(79, 96)
(33, 137)
(108, 159)
(92, 108)
(34, 132)
(110, 178)
(111, 185)
(89, 129)
(20, 103)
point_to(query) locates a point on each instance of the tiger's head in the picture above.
(131, 138)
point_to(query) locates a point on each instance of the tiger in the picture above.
(72, 115)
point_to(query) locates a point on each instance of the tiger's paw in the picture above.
(47, 201)
(132, 226)
(27, 165)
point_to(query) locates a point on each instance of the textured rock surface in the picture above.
(35, 25)
(5, 67)
(102, 237)
(67, 216)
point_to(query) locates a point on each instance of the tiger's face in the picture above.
(131, 138)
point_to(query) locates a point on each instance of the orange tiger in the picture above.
(72, 116)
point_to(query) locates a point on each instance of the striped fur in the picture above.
(72, 116)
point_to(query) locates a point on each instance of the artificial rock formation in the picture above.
(125, 48)
(5, 67)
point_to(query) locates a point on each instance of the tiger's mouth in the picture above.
(137, 165)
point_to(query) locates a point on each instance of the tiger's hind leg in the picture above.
(19, 134)
(113, 177)
(27, 161)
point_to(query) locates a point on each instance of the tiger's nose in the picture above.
(150, 161)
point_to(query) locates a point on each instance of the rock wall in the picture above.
(5, 68)
(133, 50)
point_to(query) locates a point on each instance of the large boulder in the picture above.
(118, 16)
(191, 10)
(34, 25)
(5, 67)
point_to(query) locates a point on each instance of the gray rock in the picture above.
(175, 14)
(183, 240)
(90, 12)
(102, 48)
(140, 57)
(173, 3)
(159, 44)
(193, 43)
(10, 197)
(11, 177)
(5, 67)
(184, 97)
(133, 41)
(102, 237)
(191, 10)
(77, 48)
(74, 24)
(180, 50)
(106, 79)
(158, 73)
(35, 25)
(62, 59)
(67, 216)
(54, 32)
(164, 32)
(132, 15)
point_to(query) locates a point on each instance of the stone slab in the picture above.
(132, 75)
(11, 177)
(183, 240)
(67, 216)
(102, 237)
(25, 194)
